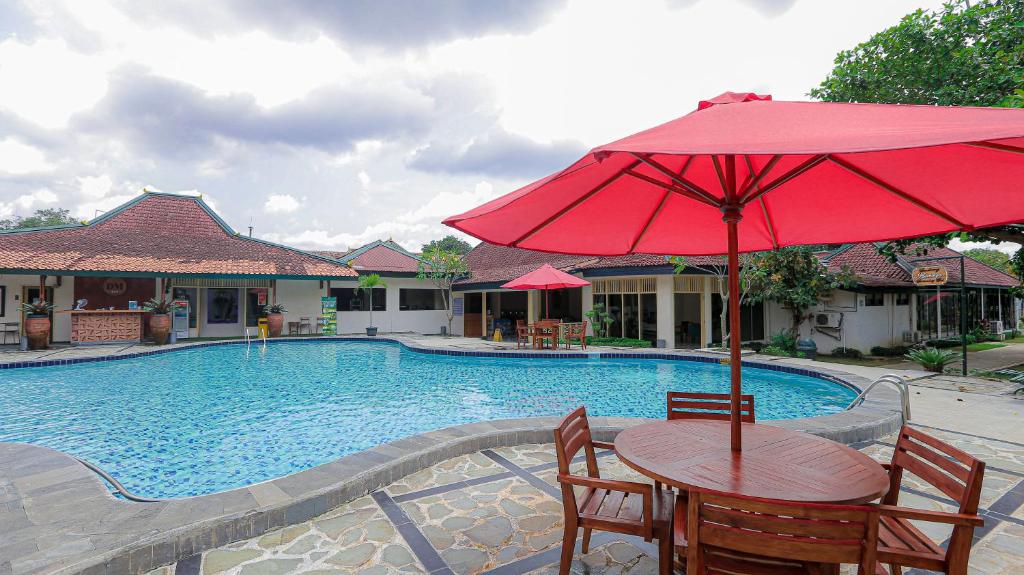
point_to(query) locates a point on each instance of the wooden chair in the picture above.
(953, 472)
(576, 330)
(522, 333)
(606, 505)
(713, 406)
(746, 535)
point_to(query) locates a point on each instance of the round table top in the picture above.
(775, 463)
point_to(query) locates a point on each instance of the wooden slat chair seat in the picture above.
(751, 536)
(604, 504)
(956, 474)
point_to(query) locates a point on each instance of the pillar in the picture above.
(587, 305)
(665, 296)
(999, 303)
(938, 312)
(705, 311)
(483, 314)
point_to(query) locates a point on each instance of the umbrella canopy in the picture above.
(777, 174)
(546, 277)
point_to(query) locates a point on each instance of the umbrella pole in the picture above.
(547, 303)
(732, 218)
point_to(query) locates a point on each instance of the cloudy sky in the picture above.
(328, 124)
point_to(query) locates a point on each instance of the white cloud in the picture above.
(29, 201)
(92, 209)
(449, 203)
(1005, 247)
(95, 187)
(19, 158)
(364, 178)
(281, 204)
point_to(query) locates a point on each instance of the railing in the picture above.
(897, 382)
(117, 484)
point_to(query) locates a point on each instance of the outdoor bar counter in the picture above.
(106, 325)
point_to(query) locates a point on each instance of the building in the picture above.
(648, 301)
(166, 242)
(407, 304)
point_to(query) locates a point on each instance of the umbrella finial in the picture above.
(732, 98)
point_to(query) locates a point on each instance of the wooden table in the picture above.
(775, 463)
(545, 329)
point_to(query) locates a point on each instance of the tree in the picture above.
(721, 271)
(970, 53)
(42, 218)
(367, 283)
(443, 268)
(449, 243)
(992, 258)
(795, 278)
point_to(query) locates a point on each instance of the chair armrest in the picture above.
(604, 445)
(932, 516)
(886, 466)
(610, 484)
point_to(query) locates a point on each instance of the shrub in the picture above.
(784, 340)
(933, 359)
(776, 350)
(618, 341)
(847, 352)
(894, 351)
(943, 343)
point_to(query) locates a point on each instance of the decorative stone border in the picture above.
(64, 520)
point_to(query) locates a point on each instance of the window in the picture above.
(221, 305)
(902, 298)
(354, 299)
(255, 300)
(874, 299)
(413, 299)
(3, 300)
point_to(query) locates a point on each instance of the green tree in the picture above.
(42, 218)
(443, 268)
(448, 243)
(970, 53)
(795, 278)
(367, 283)
(993, 258)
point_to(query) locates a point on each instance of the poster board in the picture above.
(329, 315)
(930, 276)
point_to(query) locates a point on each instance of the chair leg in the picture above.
(894, 569)
(666, 553)
(568, 545)
(586, 540)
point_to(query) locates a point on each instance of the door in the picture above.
(31, 294)
(472, 326)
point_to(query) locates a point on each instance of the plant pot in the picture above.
(807, 347)
(275, 323)
(160, 327)
(37, 329)
(371, 331)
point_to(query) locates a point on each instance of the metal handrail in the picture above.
(897, 382)
(117, 484)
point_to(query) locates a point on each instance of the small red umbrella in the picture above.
(777, 174)
(546, 278)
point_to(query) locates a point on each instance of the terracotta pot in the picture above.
(275, 322)
(160, 327)
(37, 328)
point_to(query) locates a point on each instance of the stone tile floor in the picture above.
(498, 512)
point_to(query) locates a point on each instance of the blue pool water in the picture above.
(208, 419)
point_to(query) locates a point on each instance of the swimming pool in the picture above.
(208, 419)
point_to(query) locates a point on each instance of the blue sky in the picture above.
(330, 124)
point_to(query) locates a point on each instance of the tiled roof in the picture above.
(160, 234)
(489, 263)
(380, 256)
(875, 270)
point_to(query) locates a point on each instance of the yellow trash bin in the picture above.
(262, 329)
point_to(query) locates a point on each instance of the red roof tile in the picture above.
(159, 234)
(875, 270)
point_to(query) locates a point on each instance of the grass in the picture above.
(1018, 339)
(984, 345)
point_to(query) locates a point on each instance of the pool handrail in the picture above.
(897, 382)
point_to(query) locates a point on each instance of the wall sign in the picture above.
(329, 315)
(930, 276)
(115, 286)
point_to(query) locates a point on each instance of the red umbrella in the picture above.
(546, 278)
(777, 174)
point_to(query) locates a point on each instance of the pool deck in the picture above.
(468, 499)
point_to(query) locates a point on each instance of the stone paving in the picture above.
(498, 511)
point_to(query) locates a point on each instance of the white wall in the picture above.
(394, 320)
(863, 327)
(302, 299)
(63, 297)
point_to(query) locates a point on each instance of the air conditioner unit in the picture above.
(828, 319)
(997, 329)
(911, 336)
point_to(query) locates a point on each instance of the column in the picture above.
(586, 305)
(938, 312)
(705, 310)
(999, 299)
(665, 296)
(483, 314)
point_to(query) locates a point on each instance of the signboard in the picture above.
(930, 276)
(329, 315)
(261, 297)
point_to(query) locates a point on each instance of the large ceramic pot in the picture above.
(275, 323)
(160, 327)
(37, 328)
(371, 331)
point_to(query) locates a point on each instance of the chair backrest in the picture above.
(950, 470)
(819, 533)
(714, 406)
(572, 435)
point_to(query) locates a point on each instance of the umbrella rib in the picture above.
(897, 192)
(650, 220)
(681, 191)
(764, 207)
(747, 188)
(721, 176)
(995, 146)
(803, 167)
(678, 178)
(607, 182)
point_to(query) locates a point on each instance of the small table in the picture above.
(543, 330)
(775, 463)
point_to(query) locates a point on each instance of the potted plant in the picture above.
(37, 323)
(367, 283)
(159, 319)
(275, 318)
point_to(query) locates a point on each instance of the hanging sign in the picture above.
(930, 276)
(261, 297)
(329, 315)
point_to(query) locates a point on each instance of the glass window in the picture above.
(354, 299)
(255, 300)
(189, 295)
(416, 299)
(3, 300)
(902, 298)
(874, 299)
(649, 317)
(221, 305)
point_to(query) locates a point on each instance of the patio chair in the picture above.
(522, 333)
(9, 329)
(948, 469)
(575, 330)
(603, 504)
(751, 536)
(307, 323)
(546, 330)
